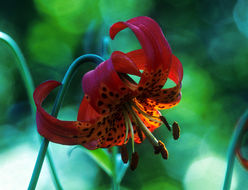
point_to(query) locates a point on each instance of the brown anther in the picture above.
(163, 119)
(157, 149)
(164, 151)
(124, 154)
(134, 161)
(175, 130)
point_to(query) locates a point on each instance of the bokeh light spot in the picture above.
(240, 15)
(207, 173)
(47, 47)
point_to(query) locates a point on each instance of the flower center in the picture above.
(130, 111)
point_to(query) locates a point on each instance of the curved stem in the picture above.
(231, 149)
(116, 185)
(65, 83)
(106, 49)
(22, 66)
(28, 82)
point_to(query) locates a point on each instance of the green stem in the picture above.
(106, 49)
(28, 82)
(116, 184)
(65, 83)
(22, 66)
(231, 150)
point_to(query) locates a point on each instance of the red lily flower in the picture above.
(116, 108)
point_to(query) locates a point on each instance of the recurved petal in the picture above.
(164, 101)
(86, 112)
(176, 71)
(138, 57)
(156, 49)
(103, 87)
(123, 64)
(168, 98)
(55, 130)
(108, 131)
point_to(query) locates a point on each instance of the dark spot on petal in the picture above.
(104, 95)
(100, 103)
(111, 93)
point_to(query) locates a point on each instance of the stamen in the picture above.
(175, 130)
(164, 120)
(164, 151)
(134, 161)
(124, 154)
(153, 118)
(127, 129)
(128, 123)
(142, 126)
(161, 149)
(157, 149)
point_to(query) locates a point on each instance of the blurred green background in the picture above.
(209, 37)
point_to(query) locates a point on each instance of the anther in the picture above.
(175, 130)
(157, 149)
(124, 154)
(163, 119)
(164, 151)
(134, 161)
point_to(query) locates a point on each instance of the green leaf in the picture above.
(102, 158)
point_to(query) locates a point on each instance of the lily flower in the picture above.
(115, 108)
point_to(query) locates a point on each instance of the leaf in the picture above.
(102, 158)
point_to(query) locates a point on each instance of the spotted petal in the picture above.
(48, 126)
(156, 49)
(103, 87)
(58, 131)
(168, 98)
(150, 124)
